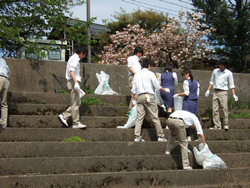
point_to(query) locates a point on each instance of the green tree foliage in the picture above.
(21, 20)
(232, 22)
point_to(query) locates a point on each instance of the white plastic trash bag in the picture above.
(203, 154)
(178, 101)
(158, 98)
(103, 88)
(131, 119)
(213, 162)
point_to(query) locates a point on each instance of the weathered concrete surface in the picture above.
(104, 134)
(49, 121)
(37, 76)
(131, 179)
(96, 164)
(108, 148)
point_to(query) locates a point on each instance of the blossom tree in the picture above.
(178, 42)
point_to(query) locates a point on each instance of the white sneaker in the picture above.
(162, 139)
(226, 127)
(198, 140)
(187, 168)
(164, 107)
(214, 128)
(139, 140)
(189, 139)
(79, 126)
(63, 119)
(167, 127)
(167, 153)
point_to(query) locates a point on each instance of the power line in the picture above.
(174, 4)
(186, 2)
(148, 7)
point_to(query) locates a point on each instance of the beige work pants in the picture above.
(220, 100)
(73, 109)
(4, 86)
(178, 128)
(151, 107)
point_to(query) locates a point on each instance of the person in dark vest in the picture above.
(191, 94)
(168, 79)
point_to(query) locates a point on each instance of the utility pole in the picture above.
(88, 31)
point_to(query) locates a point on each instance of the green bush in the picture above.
(241, 104)
(92, 101)
(244, 115)
(74, 139)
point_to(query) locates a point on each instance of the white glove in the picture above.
(167, 90)
(76, 87)
(207, 93)
(175, 95)
(235, 97)
(134, 102)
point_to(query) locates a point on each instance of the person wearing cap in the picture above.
(4, 86)
(133, 67)
(143, 87)
(73, 77)
(220, 79)
(177, 122)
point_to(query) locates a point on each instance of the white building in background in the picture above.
(57, 53)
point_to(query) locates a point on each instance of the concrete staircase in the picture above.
(33, 153)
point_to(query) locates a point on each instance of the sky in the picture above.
(103, 9)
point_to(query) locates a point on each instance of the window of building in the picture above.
(54, 55)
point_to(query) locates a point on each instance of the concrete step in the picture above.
(107, 148)
(164, 178)
(52, 121)
(97, 164)
(112, 134)
(62, 98)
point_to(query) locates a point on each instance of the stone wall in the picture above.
(37, 76)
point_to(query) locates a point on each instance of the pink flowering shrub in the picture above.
(179, 42)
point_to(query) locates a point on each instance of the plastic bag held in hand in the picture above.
(178, 102)
(235, 97)
(77, 87)
(203, 154)
(131, 118)
(207, 93)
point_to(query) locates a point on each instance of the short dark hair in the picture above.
(169, 67)
(223, 61)
(146, 63)
(82, 49)
(138, 49)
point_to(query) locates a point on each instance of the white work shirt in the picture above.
(186, 88)
(145, 81)
(220, 79)
(133, 61)
(73, 65)
(189, 119)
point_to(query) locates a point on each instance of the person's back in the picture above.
(167, 80)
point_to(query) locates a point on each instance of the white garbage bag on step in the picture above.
(131, 119)
(104, 88)
(213, 162)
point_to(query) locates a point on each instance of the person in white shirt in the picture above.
(133, 67)
(219, 81)
(143, 87)
(4, 86)
(73, 77)
(177, 123)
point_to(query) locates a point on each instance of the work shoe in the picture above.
(214, 128)
(226, 127)
(198, 140)
(63, 119)
(3, 125)
(167, 153)
(187, 168)
(79, 126)
(167, 127)
(139, 140)
(162, 139)
(189, 139)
